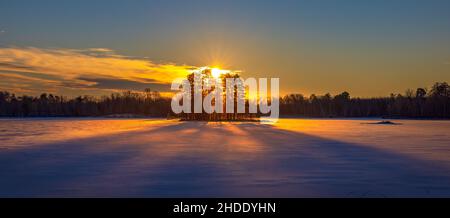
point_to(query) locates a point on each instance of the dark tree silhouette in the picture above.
(148, 103)
(205, 74)
(434, 103)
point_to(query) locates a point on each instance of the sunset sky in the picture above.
(368, 48)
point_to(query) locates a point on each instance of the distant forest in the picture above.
(420, 103)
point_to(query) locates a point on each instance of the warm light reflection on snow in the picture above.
(294, 157)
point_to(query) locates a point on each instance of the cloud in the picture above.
(18, 83)
(83, 69)
(116, 84)
(107, 50)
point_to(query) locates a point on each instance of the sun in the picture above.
(215, 72)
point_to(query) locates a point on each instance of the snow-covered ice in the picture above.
(65, 157)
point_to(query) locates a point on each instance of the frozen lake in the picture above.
(160, 158)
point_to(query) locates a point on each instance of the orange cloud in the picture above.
(81, 69)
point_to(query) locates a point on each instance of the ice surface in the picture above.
(160, 158)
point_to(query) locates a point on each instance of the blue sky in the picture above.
(369, 48)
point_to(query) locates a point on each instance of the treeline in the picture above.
(413, 104)
(148, 103)
(419, 103)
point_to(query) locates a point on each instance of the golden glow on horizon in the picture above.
(101, 71)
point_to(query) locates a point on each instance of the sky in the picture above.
(95, 47)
